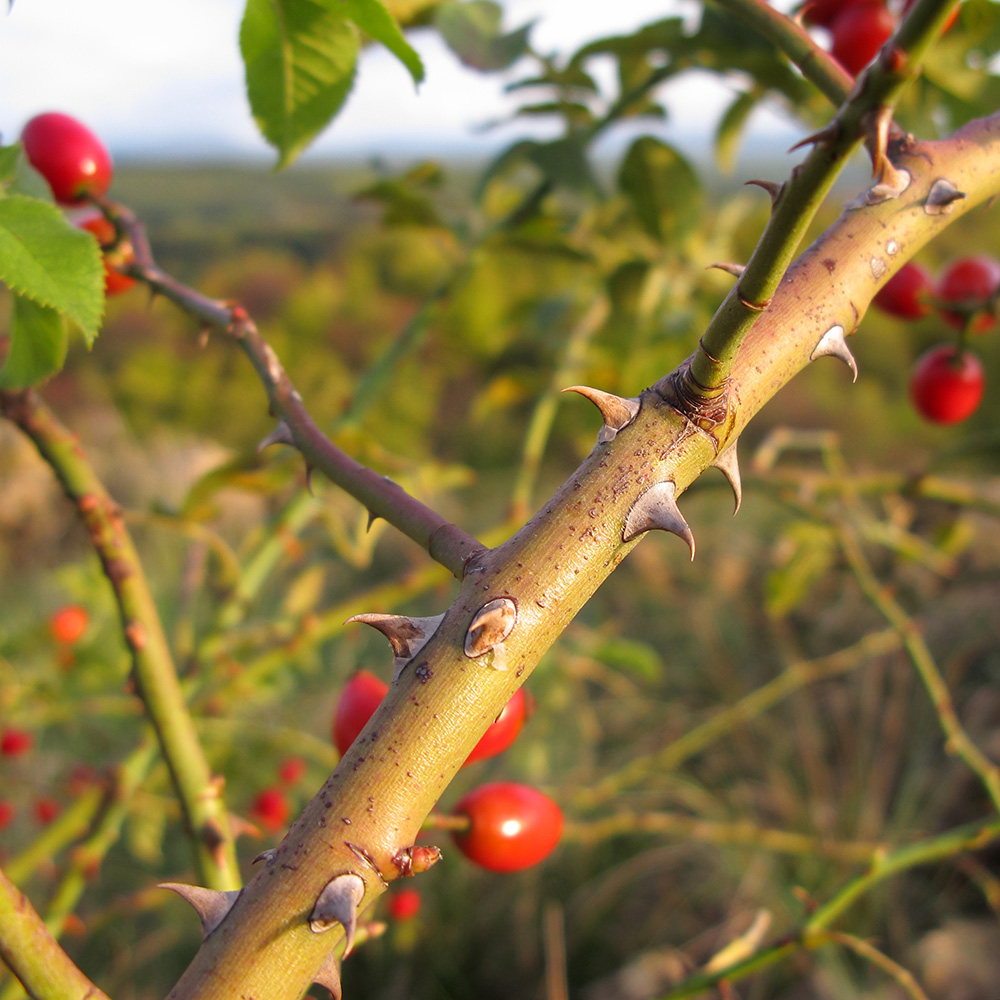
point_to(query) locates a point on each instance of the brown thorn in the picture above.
(211, 905)
(728, 464)
(329, 976)
(616, 411)
(771, 187)
(489, 628)
(657, 509)
(736, 270)
(407, 636)
(282, 434)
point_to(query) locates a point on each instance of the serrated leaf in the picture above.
(48, 260)
(375, 20)
(472, 31)
(300, 57)
(663, 188)
(730, 131)
(37, 344)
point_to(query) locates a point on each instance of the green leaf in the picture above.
(473, 32)
(375, 20)
(300, 58)
(663, 188)
(9, 156)
(38, 344)
(730, 130)
(48, 260)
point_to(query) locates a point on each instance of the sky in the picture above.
(163, 78)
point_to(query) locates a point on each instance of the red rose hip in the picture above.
(68, 155)
(362, 694)
(971, 284)
(271, 809)
(859, 31)
(114, 281)
(503, 730)
(68, 624)
(404, 904)
(907, 293)
(14, 742)
(511, 826)
(946, 387)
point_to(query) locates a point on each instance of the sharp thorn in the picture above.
(329, 976)
(657, 509)
(941, 197)
(823, 137)
(309, 479)
(771, 187)
(338, 904)
(211, 905)
(282, 434)
(617, 411)
(834, 343)
(266, 856)
(372, 518)
(736, 270)
(728, 464)
(491, 625)
(407, 636)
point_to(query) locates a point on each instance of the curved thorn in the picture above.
(282, 434)
(211, 905)
(407, 636)
(736, 270)
(617, 411)
(834, 344)
(266, 856)
(657, 509)
(372, 518)
(338, 904)
(942, 195)
(728, 464)
(492, 624)
(771, 187)
(309, 479)
(329, 976)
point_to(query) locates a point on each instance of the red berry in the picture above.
(7, 811)
(404, 904)
(292, 771)
(948, 25)
(271, 809)
(362, 694)
(503, 730)
(46, 810)
(946, 387)
(114, 281)
(823, 13)
(970, 283)
(511, 826)
(68, 624)
(907, 293)
(14, 742)
(858, 33)
(68, 155)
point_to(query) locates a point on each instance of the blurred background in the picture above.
(430, 288)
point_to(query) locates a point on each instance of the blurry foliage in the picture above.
(478, 293)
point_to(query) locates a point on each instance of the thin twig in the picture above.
(903, 977)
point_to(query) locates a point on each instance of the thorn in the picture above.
(211, 905)
(771, 187)
(728, 464)
(881, 121)
(329, 976)
(736, 270)
(407, 636)
(617, 411)
(203, 335)
(941, 197)
(823, 137)
(372, 518)
(338, 904)
(282, 434)
(490, 627)
(834, 343)
(265, 856)
(657, 508)
(309, 479)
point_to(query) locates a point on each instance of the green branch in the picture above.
(157, 684)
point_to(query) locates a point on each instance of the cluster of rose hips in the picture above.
(947, 382)
(510, 826)
(67, 626)
(858, 28)
(76, 165)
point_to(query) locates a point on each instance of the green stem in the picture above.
(957, 741)
(154, 672)
(34, 955)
